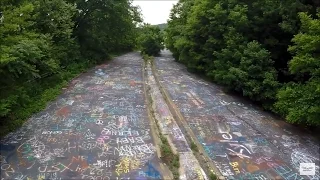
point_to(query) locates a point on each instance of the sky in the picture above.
(155, 11)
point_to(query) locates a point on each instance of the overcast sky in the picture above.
(155, 11)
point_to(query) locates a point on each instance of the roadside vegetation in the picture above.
(269, 51)
(212, 176)
(44, 44)
(194, 147)
(168, 156)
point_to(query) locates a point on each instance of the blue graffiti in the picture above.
(90, 159)
(7, 147)
(287, 173)
(240, 139)
(100, 72)
(260, 141)
(151, 172)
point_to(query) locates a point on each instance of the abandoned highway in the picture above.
(102, 127)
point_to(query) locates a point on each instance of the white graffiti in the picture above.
(299, 156)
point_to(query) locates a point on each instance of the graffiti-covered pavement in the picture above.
(97, 129)
(242, 141)
(189, 165)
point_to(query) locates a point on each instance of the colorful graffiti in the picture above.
(190, 166)
(97, 129)
(242, 142)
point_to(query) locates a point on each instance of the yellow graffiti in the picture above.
(126, 165)
(200, 176)
(135, 164)
(123, 166)
(235, 167)
(109, 83)
(167, 120)
(41, 177)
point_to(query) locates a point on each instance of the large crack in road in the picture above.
(168, 126)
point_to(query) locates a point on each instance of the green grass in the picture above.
(168, 157)
(194, 147)
(212, 176)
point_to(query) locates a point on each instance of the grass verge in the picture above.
(194, 147)
(167, 155)
(212, 176)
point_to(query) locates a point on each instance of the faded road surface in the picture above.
(243, 142)
(97, 129)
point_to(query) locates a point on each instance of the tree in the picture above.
(243, 45)
(44, 43)
(299, 101)
(105, 26)
(175, 32)
(150, 40)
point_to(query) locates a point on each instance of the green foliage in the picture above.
(194, 147)
(299, 102)
(150, 40)
(168, 157)
(243, 45)
(43, 44)
(105, 26)
(147, 59)
(212, 176)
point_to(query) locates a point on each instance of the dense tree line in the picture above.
(150, 40)
(267, 50)
(44, 43)
(162, 26)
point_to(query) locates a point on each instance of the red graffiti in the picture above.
(65, 111)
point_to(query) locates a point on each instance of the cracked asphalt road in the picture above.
(242, 141)
(98, 128)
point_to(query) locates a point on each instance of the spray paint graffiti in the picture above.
(243, 142)
(97, 129)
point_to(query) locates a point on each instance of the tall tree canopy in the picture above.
(300, 101)
(45, 42)
(244, 46)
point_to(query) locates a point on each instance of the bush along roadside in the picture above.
(267, 51)
(41, 51)
(36, 94)
(33, 96)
